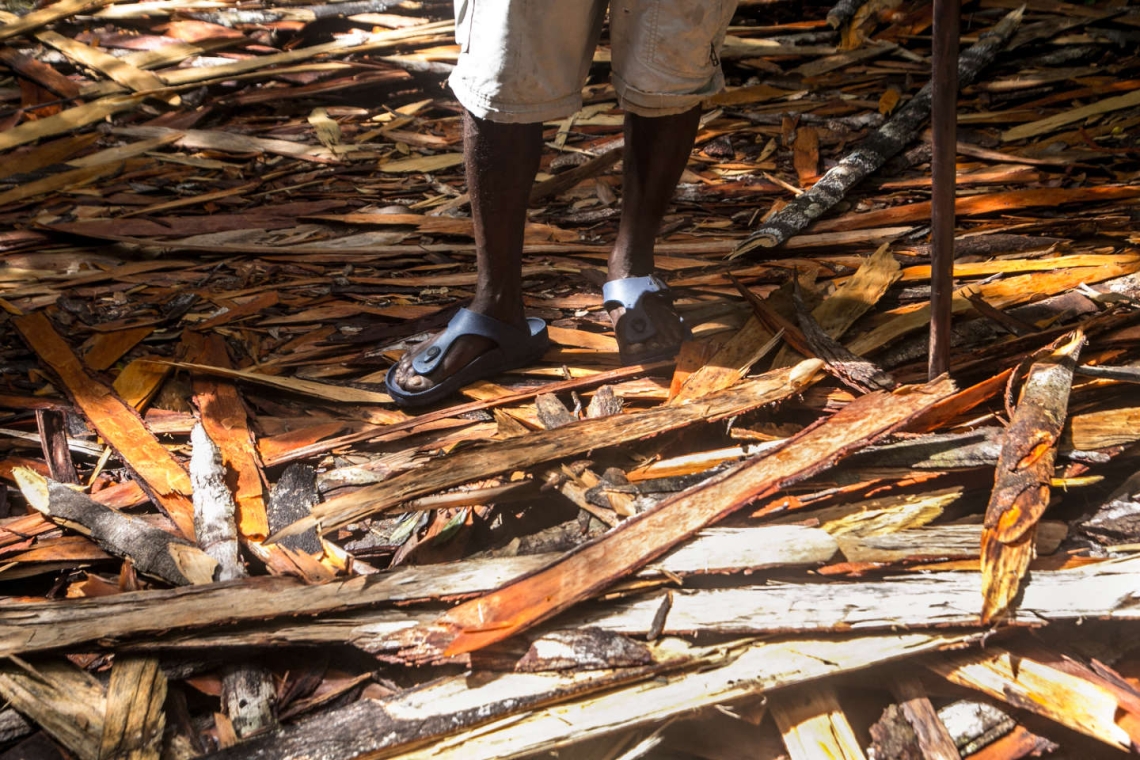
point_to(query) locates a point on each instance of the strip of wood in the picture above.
(1051, 123)
(44, 16)
(117, 422)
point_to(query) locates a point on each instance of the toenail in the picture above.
(432, 352)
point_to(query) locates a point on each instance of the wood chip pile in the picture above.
(221, 223)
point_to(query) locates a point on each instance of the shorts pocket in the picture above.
(464, 21)
(686, 35)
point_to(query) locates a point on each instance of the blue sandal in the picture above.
(635, 326)
(516, 348)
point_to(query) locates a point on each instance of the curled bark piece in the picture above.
(1024, 472)
(153, 551)
(876, 150)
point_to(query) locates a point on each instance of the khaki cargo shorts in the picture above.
(526, 60)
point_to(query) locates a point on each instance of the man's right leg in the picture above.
(501, 161)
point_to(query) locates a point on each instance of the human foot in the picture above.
(473, 346)
(646, 324)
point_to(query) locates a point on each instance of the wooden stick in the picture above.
(873, 152)
(154, 551)
(943, 168)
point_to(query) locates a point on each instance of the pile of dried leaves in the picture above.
(223, 222)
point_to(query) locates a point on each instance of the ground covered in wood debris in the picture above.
(223, 223)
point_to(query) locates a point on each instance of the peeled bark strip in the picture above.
(1024, 472)
(641, 539)
(247, 688)
(153, 551)
(134, 721)
(157, 470)
(52, 426)
(877, 149)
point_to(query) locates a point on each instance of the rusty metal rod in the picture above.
(944, 128)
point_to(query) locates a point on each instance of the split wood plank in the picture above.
(153, 551)
(117, 422)
(134, 720)
(63, 700)
(639, 540)
(543, 446)
(28, 627)
(813, 724)
(1051, 123)
(223, 415)
(933, 600)
(719, 675)
(933, 738)
(1023, 476)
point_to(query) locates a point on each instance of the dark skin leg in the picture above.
(656, 152)
(501, 161)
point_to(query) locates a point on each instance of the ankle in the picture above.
(500, 307)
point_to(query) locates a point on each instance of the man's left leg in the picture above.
(656, 151)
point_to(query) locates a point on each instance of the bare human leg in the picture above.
(656, 151)
(500, 162)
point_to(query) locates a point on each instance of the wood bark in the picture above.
(1023, 476)
(134, 720)
(876, 149)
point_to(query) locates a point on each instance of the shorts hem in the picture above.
(492, 109)
(655, 104)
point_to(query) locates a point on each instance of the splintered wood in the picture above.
(223, 223)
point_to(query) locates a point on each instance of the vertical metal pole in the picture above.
(944, 137)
